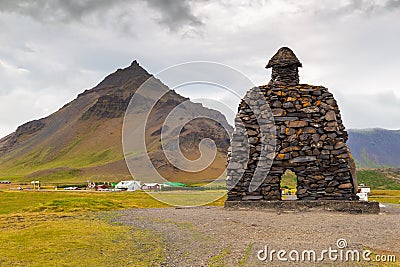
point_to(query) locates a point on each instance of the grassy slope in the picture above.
(377, 179)
(91, 151)
(374, 148)
(81, 150)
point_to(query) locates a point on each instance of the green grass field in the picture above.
(45, 239)
(67, 228)
(75, 229)
(385, 196)
(70, 201)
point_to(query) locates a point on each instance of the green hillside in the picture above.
(375, 148)
(380, 178)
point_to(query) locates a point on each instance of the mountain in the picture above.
(83, 140)
(377, 147)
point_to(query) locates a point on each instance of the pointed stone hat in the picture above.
(284, 58)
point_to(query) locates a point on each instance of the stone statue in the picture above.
(309, 137)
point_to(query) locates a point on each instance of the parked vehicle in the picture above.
(72, 188)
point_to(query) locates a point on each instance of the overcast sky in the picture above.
(51, 50)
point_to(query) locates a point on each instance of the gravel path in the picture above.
(210, 235)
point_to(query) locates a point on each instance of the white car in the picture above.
(71, 188)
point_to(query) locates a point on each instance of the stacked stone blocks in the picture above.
(308, 135)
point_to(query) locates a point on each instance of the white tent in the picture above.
(128, 185)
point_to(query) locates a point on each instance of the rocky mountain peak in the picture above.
(87, 133)
(134, 64)
(134, 72)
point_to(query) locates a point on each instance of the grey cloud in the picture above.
(174, 13)
(393, 4)
(369, 7)
(358, 52)
(335, 9)
(55, 10)
(375, 110)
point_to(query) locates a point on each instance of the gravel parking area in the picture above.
(206, 236)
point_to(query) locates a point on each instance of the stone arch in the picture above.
(288, 178)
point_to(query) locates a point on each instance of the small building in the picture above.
(128, 185)
(91, 185)
(151, 186)
(363, 192)
(36, 184)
